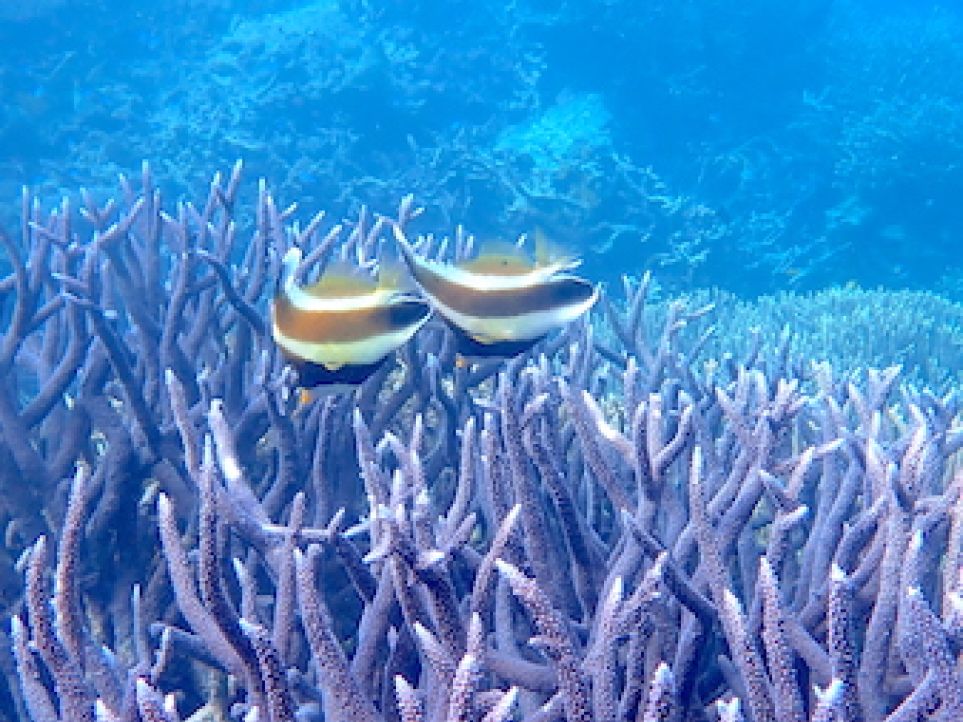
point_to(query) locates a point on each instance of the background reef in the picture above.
(809, 144)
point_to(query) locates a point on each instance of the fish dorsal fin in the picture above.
(393, 277)
(549, 254)
(341, 280)
(498, 258)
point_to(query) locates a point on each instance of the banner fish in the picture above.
(501, 303)
(340, 329)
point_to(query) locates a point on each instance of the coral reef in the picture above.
(606, 528)
(850, 327)
(696, 138)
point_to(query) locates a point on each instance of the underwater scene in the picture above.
(445, 361)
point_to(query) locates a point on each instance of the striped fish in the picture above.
(339, 330)
(500, 303)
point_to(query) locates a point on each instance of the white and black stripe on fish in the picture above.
(340, 329)
(501, 302)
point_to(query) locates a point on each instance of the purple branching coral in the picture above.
(602, 529)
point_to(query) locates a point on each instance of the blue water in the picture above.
(755, 146)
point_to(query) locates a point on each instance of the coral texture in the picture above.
(606, 528)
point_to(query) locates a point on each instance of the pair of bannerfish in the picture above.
(340, 329)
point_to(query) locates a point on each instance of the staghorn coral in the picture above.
(602, 529)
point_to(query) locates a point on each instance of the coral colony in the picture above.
(603, 524)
